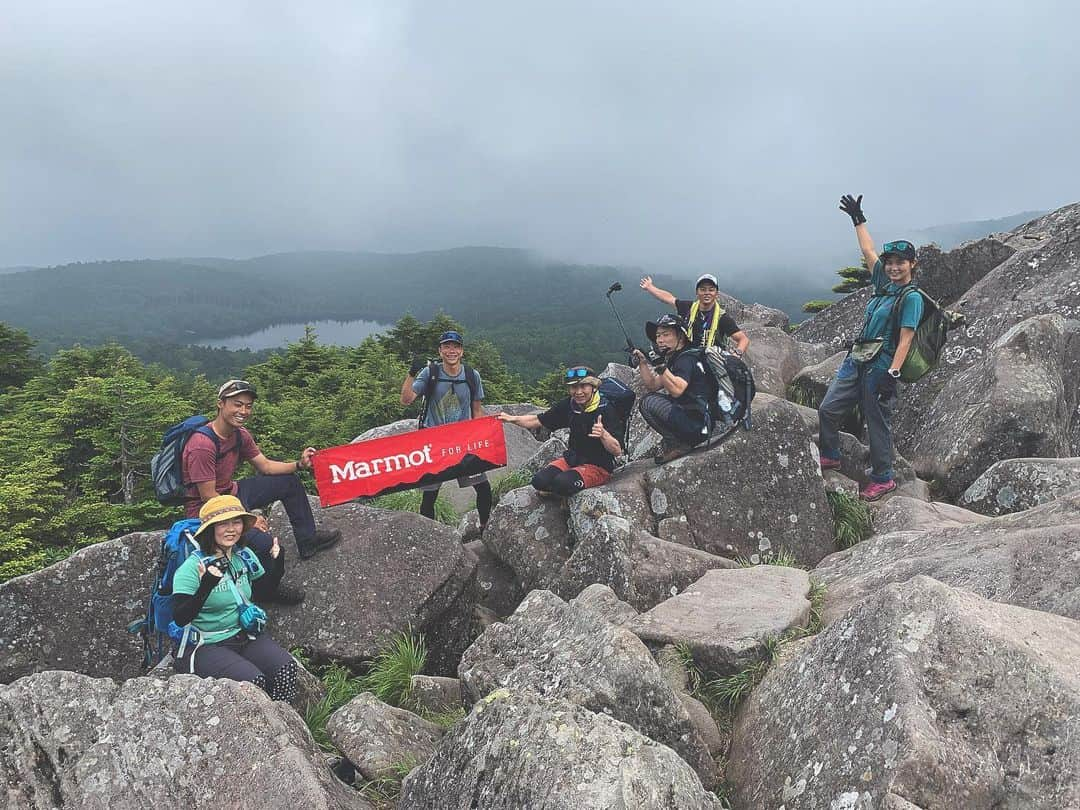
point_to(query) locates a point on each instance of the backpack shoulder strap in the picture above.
(898, 307)
(472, 378)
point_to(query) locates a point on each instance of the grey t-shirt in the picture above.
(451, 401)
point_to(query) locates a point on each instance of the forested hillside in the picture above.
(541, 314)
(77, 434)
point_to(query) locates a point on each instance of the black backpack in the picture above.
(618, 400)
(472, 379)
(734, 388)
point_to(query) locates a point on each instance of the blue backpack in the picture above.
(167, 465)
(156, 626)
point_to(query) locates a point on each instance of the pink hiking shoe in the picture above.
(874, 491)
(830, 463)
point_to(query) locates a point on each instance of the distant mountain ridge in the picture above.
(949, 236)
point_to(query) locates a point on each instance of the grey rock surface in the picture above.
(380, 739)
(499, 590)
(391, 570)
(518, 750)
(74, 615)
(546, 453)
(435, 693)
(1016, 484)
(758, 491)
(745, 314)
(1030, 559)
(70, 740)
(602, 601)
(553, 649)
(776, 357)
(901, 514)
(813, 381)
(921, 696)
(725, 617)
(530, 535)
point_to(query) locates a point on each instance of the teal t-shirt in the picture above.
(879, 309)
(219, 618)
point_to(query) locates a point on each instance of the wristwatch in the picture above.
(894, 373)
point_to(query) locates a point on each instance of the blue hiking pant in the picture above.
(857, 384)
(672, 421)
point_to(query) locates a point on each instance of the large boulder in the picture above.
(499, 590)
(391, 571)
(553, 649)
(518, 750)
(1015, 401)
(530, 535)
(602, 601)
(69, 740)
(725, 618)
(921, 696)
(745, 314)
(379, 739)
(74, 615)
(1016, 484)
(810, 383)
(758, 491)
(903, 514)
(1030, 559)
(776, 357)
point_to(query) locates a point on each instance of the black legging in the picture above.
(483, 502)
(561, 482)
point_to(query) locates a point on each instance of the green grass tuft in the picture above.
(409, 501)
(390, 676)
(780, 556)
(853, 521)
(802, 395)
(516, 479)
(444, 719)
(341, 687)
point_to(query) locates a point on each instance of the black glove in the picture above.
(657, 360)
(853, 208)
(632, 358)
(886, 387)
(215, 568)
(417, 366)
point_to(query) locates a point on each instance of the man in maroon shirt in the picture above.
(209, 464)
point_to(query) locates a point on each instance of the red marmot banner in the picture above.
(408, 460)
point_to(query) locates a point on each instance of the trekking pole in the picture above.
(614, 288)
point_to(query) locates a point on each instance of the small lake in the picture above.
(332, 333)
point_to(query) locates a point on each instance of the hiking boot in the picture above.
(285, 595)
(323, 539)
(672, 453)
(830, 463)
(874, 490)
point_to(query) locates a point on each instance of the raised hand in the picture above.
(597, 431)
(417, 366)
(646, 283)
(261, 523)
(305, 459)
(275, 549)
(852, 206)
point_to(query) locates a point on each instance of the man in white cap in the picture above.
(709, 324)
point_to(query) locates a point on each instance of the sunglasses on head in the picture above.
(902, 246)
(578, 373)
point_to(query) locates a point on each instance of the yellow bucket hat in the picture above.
(221, 508)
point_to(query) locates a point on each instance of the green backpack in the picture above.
(930, 336)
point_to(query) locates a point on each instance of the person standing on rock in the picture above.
(678, 406)
(454, 394)
(594, 430)
(208, 469)
(212, 592)
(869, 374)
(709, 324)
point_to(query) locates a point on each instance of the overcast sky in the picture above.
(676, 135)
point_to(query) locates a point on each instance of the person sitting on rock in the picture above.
(590, 455)
(678, 406)
(208, 469)
(709, 324)
(450, 397)
(212, 592)
(869, 374)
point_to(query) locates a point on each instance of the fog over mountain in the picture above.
(700, 135)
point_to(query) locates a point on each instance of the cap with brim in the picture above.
(669, 321)
(709, 277)
(451, 337)
(901, 248)
(236, 387)
(221, 508)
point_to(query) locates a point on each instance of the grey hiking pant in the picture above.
(857, 384)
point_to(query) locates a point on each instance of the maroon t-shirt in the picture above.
(200, 463)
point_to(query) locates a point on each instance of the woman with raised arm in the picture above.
(869, 374)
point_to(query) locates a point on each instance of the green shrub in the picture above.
(853, 521)
(816, 306)
(409, 501)
(341, 687)
(516, 479)
(390, 676)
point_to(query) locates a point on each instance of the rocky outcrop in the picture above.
(903, 514)
(810, 383)
(435, 693)
(776, 357)
(746, 314)
(1017, 484)
(920, 696)
(552, 649)
(725, 617)
(518, 750)
(1030, 559)
(74, 615)
(499, 590)
(757, 492)
(601, 601)
(70, 740)
(380, 740)
(530, 535)
(391, 571)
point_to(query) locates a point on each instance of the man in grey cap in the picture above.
(709, 324)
